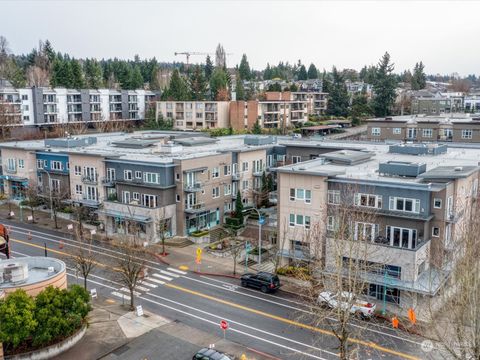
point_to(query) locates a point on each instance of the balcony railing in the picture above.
(90, 180)
(236, 176)
(197, 186)
(108, 181)
(195, 208)
(11, 171)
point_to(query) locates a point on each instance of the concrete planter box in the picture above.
(200, 240)
(293, 281)
(52, 350)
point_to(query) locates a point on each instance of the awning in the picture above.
(14, 178)
(86, 202)
(125, 216)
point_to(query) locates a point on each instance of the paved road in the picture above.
(275, 324)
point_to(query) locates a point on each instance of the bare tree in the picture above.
(163, 229)
(455, 323)
(131, 268)
(83, 258)
(58, 197)
(32, 200)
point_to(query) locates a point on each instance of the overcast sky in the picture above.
(348, 34)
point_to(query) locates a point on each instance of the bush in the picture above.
(255, 251)
(199, 233)
(295, 271)
(53, 315)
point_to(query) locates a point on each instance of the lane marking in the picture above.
(169, 274)
(292, 322)
(163, 277)
(177, 271)
(124, 289)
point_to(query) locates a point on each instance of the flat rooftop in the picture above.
(39, 269)
(422, 118)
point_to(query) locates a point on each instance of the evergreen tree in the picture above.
(244, 69)
(302, 73)
(293, 87)
(239, 208)
(218, 82)
(312, 72)
(257, 129)
(154, 83)
(198, 84)
(62, 74)
(419, 79)
(136, 80)
(264, 201)
(178, 89)
(274, 87)
(360, 108)
(77, 75)
(49, 52)
(208, 68)
(267, 73)
(384, 87)
(93, 74)
(338, 99)
(239, 89)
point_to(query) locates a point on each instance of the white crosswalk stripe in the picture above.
(124, 289)
(120, 295)
(169, 274)
(143, 282)
(141, 288)
(177, 271)
(163, 277)
(156, 281)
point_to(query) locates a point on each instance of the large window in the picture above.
(56, 165)
(301, 194)
(127, 175)
(404, 204)
(149, 200)
(467, 133)
(215, 173)
(11, 164)
(151, 178)
(365, 231)
(368, 200)
(401, 237)
(299, 220)
(333, 197)
(376, 131)
(427, 133)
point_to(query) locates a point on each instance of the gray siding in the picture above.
(37, 95)
(125, 104)
(85, 105)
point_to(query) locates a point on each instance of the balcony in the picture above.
(195, 208)
(197, 186)
(258, 172)
(453, 217)
(236, 176)
(11, 170)
(108, 182)
(92, 180)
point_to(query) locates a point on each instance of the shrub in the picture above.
(295, 271)
(199, 233)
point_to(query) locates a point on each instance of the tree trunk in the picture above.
(163, 246)
(235, 265)
(85, 281)
(132, 307)
(33, 215)
(55, 218)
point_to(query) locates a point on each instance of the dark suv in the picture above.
(209, 354)
(264, 281)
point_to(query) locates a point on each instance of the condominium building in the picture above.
(420, 128)
(416, 200)
(195, 115)
(46, 106)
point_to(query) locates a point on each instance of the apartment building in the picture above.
(462, 128)
(46, 106)
(472, 103)
(136, 184)
(195, 115)
(278, 110)
(417, 202)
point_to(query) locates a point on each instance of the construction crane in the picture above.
(189, 53)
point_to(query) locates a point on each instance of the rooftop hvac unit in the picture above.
(13, 272)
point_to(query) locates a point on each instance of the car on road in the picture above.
(210, 354)
(346, 300)
(266, 282)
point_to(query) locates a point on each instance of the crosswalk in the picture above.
(149, 282)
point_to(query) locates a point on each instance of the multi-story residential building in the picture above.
(472, 103)
(278, 109)
(416, 207)
(451, 128)
(193, 115)
(47, 106)
(428, 103)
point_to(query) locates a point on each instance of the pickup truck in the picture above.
(346, 300)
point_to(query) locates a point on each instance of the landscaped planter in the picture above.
(52, 350)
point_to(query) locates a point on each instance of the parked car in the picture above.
(346, 300)
(210, 354)
(266, 282)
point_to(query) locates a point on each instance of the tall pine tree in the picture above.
(419, 79)
(77, 75)
(338, 99)
(384, 87)
(208, 68)
(244, 68)
(178, 89)
(312, 72)
(198, 84)
(302, 73)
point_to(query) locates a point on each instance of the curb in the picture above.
(214, 274)
(400, 325)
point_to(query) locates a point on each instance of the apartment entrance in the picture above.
(203, 220)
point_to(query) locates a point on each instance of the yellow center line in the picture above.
(62, 253)
(292, 322)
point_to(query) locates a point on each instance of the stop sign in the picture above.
(224, 325)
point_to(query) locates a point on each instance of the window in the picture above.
(401, 237)
(227, 170)
(78, 189)
(365, 231)
(26, 117)
(245, 166)
(244, 184)
(149, 200)
(437, 203)
(24, 97)
(227, 189)
(215, 192)
(405, 204)
(292, 195)
(126, 197)
(307, 222)
(368, 200)
(127, 175)
(296, 159)
(215, 173)
(435, 231)
(55, 185)
(333, 197)
(151, 178)
(21, 164)
(331, 223)
(467, 133)
(56, 165)
(111, 173)
(427, 133)
(78, 170)
(397, 131)
(11, 164)
(40, 164)
(138, 174)
(375, 131)
(136, 196)
(177, 197)
(299, 220)
(301, 194)
(177, 176)
(227, 207)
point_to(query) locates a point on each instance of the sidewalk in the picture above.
(116, 333)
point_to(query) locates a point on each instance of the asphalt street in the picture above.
(276, 324)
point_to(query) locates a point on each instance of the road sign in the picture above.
(93, 232)
(139, 310)
(30, 218)
(93, 293)
(224, 325)
(70, 226)
(261, 220)
(199, 251)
